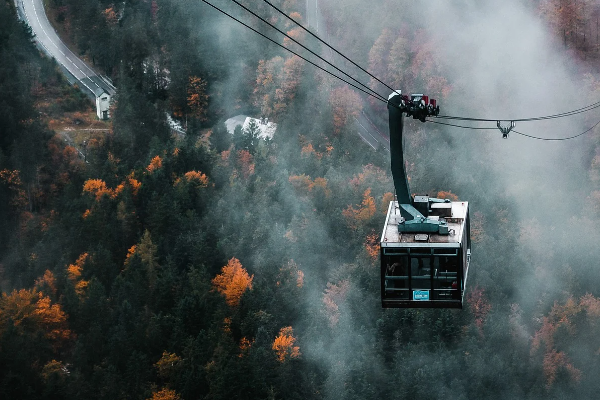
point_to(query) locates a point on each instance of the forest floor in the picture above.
(79, 127)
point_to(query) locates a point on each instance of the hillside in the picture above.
(217, 265)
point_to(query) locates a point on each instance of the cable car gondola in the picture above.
(425, 246)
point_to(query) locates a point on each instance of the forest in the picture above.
(214, 265)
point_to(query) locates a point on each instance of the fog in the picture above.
(502, 62)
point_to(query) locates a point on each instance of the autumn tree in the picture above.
(334, 295)
(197, 99)
(165, 394)
(232, 282)
(356, 217)
(567, 18)
(479, 306)
(30, 312)
(575, 318)
(372, 245)
(245, 163)
(276, 83)
(74, 272)
(17, 198)
(168, 366)
(155, 164)
(388, 58)
(346, 105)
(283, 345)
(97, 188)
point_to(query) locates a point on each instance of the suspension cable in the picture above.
(379, 97)
(331, 47)
(553, 116)
(307, 49)
(293, 52)
(557, 139)
(460, 126)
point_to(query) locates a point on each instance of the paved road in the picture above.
(35, 15)
(370, 134)
(366, 129)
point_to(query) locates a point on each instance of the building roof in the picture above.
(266, 129)
(99, 92)
(392, 238)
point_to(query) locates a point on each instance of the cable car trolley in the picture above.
(425, 246)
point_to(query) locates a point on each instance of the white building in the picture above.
(102, 103)
(266, 128)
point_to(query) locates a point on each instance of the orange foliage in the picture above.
(553, 360)
(369, 174)
(245, 162)
(12, 181)
(46, 282)
(447, 195)
(130, 252)
(307, 150)
(565, 18)
(297, 34)
(320, 183)
(358, 216)
(167, 364)
(197, 99)
(567, 318)
(296, 16)
(31, 311)
(86, 213)
(199, 178)
(225, 155)
(74, 274)
(304, 185)
(97, 187)
(276, 83)
(134, 183)
(372, 245)
(165, 394)
(245, 345)
(300, 279)
(333, 296)
(284, 345)
(479, 306)
(232, 282)
(155, 164)
(120, 187)
(111, 16)
(345, 104)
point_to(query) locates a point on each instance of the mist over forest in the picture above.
(218, 265)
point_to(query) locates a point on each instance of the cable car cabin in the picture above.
(425, 269)
(425, 245)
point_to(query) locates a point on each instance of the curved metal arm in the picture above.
(396, 119)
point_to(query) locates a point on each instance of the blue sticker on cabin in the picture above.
(421, 295)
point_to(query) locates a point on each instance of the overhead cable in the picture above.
(381, 98)
(460, 126)
(553, 116)
(519, 133)
(329, 46)
(557, 139)
(293, 52)
(307, 49)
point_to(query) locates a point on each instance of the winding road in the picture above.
(32, 11)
